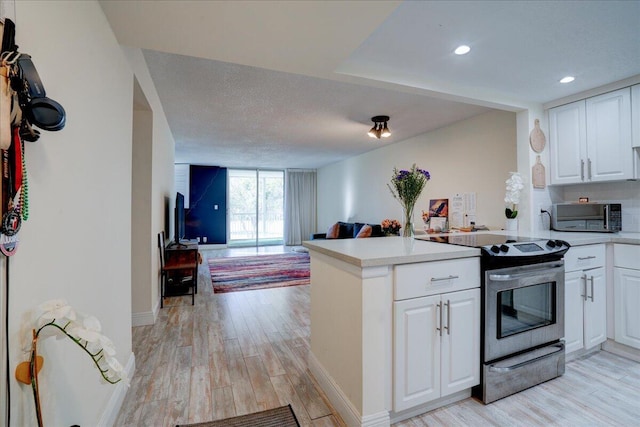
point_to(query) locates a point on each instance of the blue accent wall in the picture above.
(207, 190)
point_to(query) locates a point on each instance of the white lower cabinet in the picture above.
(585, 320)
(437, 346)
(585, 287)
(626, 288)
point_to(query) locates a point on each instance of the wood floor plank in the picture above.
(134, 403)
(241, 352)
(223, 404)
(179, 378)
(328, 421)
(153, 414)
(266, 397)
(158, 386)
(302, 383)
(177, 412)
(243, 395)
(200, 344)
(288, 396)
(200, 397)
(219, 369)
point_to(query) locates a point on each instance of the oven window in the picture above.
(526, 308)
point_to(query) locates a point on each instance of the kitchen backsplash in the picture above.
(626, 193)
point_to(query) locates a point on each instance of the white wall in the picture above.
(77, 241)
(474, 155)
(141, 281)
(156, 190)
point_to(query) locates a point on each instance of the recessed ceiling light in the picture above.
(567, 79)
(462, 49)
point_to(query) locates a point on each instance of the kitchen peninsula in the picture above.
(352, 299)
(362, 309)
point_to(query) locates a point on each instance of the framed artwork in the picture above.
(439, 208)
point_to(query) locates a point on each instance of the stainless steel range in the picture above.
(522, 311)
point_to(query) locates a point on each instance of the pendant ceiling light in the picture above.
(380, 128)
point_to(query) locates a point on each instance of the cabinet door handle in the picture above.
(584, 258)
(592, 280)
(584, 287)
(440, 279)
(589, 168)
(439, 318)
(582, 169)
(448, 327)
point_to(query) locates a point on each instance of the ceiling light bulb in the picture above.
(385, 131)
(462, 50)
(379, 128)
(567, 79)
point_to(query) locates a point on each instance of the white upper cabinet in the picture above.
(590, 140)
(568, 143)
(609, 136)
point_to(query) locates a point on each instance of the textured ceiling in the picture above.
(278, 84)
(245, 116)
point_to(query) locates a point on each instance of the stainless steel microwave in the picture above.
(601, 217)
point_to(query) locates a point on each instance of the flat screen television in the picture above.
(179, 219)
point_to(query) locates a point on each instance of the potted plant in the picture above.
(515, 184)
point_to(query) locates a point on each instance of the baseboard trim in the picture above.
(142, 319)
(580, 353)
(145, 317)
(430, 406)
(114, 405)
(340, 402)
(621, 350)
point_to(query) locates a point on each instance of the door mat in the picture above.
(278, 417)
(259, 272)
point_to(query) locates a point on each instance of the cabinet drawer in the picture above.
(626, 256)
(430, 278)
(584, 257)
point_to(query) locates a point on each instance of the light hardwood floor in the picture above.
(243, 352)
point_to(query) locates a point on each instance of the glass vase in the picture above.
(407, 228)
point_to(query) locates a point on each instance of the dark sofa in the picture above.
(349, 230)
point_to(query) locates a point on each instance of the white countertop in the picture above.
(379, 251)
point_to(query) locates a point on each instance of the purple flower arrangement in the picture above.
(406, 186)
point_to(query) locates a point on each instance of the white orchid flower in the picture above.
(86, 332)
(89, 330)
(515, 184)
(114, 365)
(57, 309)
(107, 346)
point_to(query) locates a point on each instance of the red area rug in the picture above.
(259, 272)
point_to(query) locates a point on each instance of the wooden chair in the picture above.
(177, 273)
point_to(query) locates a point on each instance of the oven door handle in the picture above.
(559, 346)
(532, 272)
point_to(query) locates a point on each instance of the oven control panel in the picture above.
(527, 249)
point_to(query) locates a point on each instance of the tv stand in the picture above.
(184, 243)
(181, 262)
